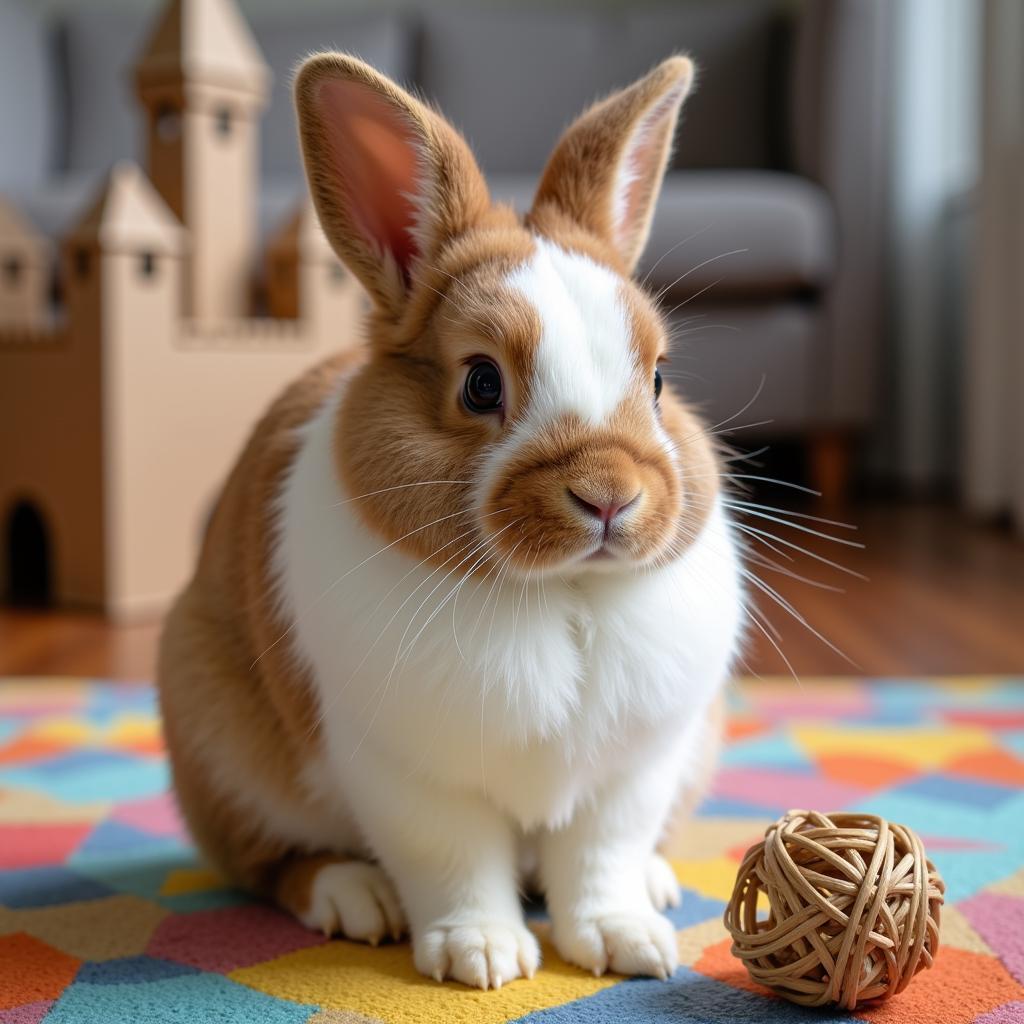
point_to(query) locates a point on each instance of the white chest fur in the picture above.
(531, 694)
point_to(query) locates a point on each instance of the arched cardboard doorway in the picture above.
(29, 556)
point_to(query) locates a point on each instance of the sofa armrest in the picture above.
(840, 104)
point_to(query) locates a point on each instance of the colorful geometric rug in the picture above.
(105, 914)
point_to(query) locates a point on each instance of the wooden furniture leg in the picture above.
(829, 464)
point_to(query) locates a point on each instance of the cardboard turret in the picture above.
(203, 83)
(304, 277)
(121, 264)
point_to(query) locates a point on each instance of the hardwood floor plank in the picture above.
(944, 596)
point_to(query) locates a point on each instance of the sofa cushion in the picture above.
(723, 355)
(512, 78)
(784, 223)
(28, 107)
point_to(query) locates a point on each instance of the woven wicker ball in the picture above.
(854, 908)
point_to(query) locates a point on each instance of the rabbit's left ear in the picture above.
(606, 171)
(392, 181)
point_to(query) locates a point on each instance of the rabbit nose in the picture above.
(602, 509)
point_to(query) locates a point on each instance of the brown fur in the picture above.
(577, 180)
(294, 881)
(231, 693)
(228, 687)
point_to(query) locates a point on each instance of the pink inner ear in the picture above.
(375, 153)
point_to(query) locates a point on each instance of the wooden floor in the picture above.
(941, 596)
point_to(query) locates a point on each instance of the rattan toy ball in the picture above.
(853, 908)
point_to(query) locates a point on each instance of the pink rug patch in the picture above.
(226, 939)
(30, 1013)
(157, 815)
(765, 788)
(999, 920)
(986, 719)
(957, 843)
(795, 706)
(39, 707)
(32, 846)
(1011, 1013)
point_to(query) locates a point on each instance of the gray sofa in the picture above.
(780, 162)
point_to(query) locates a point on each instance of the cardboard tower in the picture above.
(121, 413)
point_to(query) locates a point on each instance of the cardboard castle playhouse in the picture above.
(121, 413)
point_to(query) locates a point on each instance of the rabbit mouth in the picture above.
(614, 549)
(606, 558)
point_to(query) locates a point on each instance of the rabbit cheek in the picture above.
(698, 469)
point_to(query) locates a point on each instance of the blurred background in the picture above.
(839, 249)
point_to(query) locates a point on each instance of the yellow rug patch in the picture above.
(924, 748)
(714, 878)
(185, 880)
(383, 982)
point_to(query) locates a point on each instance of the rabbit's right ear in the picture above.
(606, 170)
(392, 181)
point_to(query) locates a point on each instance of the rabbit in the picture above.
(468, 600)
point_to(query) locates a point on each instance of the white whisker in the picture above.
(756, 618)
(346, 574)
(742, 506)
(341, 690)
(397, 487)
(796, 547)
(399, 653)
(668, 252)
(695, 295)
(693, 270)
(774, 566)
(772, 480)
(783, 603)
(751, 510)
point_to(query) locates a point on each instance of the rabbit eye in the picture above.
(657, 384)
(482, 392)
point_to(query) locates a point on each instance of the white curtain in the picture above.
(994, 438)
(934, 167)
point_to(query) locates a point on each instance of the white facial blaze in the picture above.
(585, 363)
